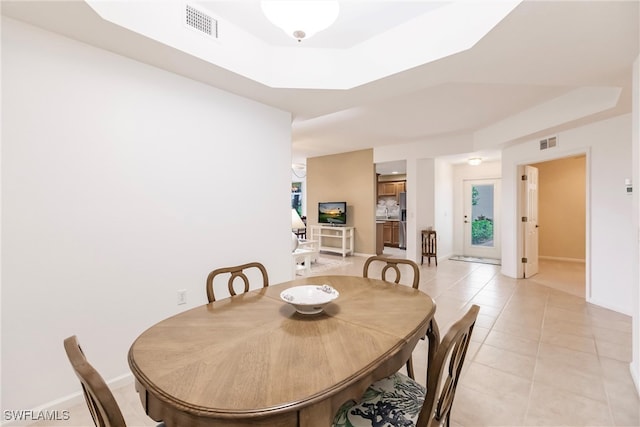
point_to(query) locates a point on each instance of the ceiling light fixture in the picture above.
(301, 19)
(475, 161)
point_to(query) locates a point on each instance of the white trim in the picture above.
(608, 306)
(555, 258)
(635, 376)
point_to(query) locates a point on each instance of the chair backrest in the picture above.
(237, 271)
(392, 264)
(102, 405)
(441, 384)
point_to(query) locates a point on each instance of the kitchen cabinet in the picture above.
(395, 234)
(386, 233)
(379, 237)
(391, 233)
(391, 189)
(387, 189)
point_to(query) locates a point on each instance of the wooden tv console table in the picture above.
(332, 238)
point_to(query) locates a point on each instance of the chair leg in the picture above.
(410, 372)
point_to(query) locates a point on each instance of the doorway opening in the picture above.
(481, 219)
(560, 225)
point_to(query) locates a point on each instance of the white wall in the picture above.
(444, 196)
(611, 244)
(462, 172)
(420, 203)
(120, 185)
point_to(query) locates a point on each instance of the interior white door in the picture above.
(481, 218)
(530, 221)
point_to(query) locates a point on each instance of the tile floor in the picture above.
(540, 355)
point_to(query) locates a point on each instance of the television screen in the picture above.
(334, 213)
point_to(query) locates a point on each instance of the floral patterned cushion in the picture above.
(394, 401)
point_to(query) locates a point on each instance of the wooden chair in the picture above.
(429, 246)
(237, 271)
(433, 333)
(400, 401)
(102, 405)
(392, 264)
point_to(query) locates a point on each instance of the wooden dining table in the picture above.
(252, 360)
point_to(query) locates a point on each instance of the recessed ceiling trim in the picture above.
(440, 32)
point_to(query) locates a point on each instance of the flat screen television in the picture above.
(333, 213)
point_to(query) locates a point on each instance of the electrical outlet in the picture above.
(182, 296)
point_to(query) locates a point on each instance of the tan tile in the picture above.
(624, 401)
(511, 328)
(566, 327)
(574, 342)
(569, 359)
(618, 325)
(472, 351)
(490, 301)
(506, 361)
(479, 334)
(474, 409)
(550, 406)
(615, 351)
(485, 379)
(571, 379)
(449, 304)
(526, 320)
(501, 293)
(611, 335)
(461, 292)
(514, 343)
(615, 371)
(485, 320)
(601, 313)
(576, 316)
(489, 311)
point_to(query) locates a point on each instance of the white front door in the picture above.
(481, 218)
(530, 221)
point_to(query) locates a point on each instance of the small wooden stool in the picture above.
(429, 246)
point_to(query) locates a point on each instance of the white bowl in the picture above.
(309, 299)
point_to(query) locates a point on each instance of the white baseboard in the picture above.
(555, 258)
(635, 375)
(57, 406)
(617, 309)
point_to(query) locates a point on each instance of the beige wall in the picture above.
(562, 201)
(346, 177)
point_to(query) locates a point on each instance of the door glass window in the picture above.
(482, 215)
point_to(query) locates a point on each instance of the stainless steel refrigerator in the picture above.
(402, 201)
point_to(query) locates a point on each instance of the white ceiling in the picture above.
(541, 51)
(358, 21)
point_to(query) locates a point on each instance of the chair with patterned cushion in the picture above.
(237, 271)
(102, 405)
(400, 401)
(433, 334)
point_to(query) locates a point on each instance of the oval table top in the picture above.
(253, 360)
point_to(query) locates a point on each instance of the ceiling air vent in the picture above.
(200, 21)
(548, 142)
